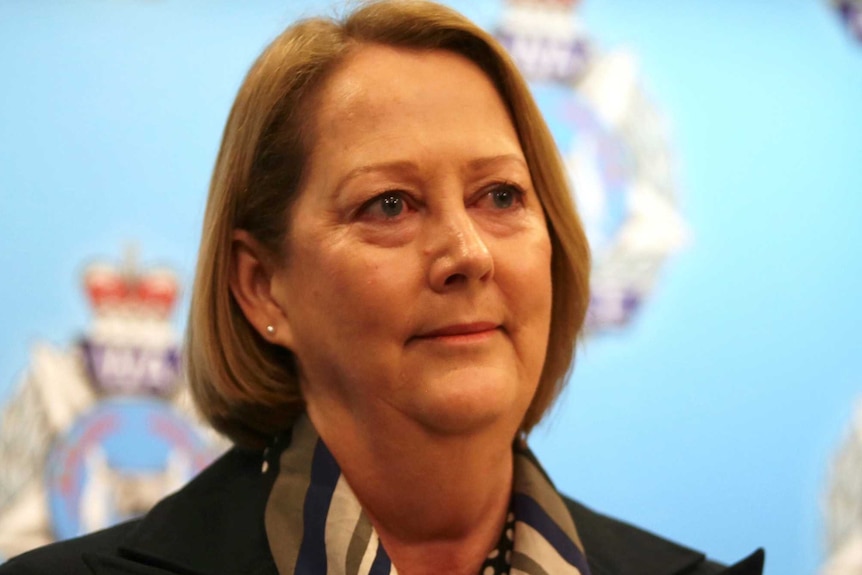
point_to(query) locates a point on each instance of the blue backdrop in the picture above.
(711, 420)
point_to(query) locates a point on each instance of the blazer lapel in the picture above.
(113, 565)
(751, 565)
(213, 526)
(617, 548)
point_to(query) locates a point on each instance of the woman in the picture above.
(391, 281)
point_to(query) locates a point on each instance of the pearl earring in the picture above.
(270, 329)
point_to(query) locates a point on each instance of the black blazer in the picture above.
(214, 526)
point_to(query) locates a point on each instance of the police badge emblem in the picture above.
(616, 148)
(843, 505)
(851, 14)
(96, 434)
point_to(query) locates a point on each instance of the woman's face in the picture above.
(416, 285)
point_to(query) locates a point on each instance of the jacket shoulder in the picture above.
(186, 520)
(69, 556)
(614, 547)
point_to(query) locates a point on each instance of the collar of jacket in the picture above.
(215, 525)
(617, 548)
(212, 526)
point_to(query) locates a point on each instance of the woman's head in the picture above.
(245, 383)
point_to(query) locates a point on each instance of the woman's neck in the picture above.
(438, 503)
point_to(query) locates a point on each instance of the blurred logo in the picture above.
(616, 148)
(843, 505)
(850, 12)
(544, 39)
(131, 348)
(98, 433)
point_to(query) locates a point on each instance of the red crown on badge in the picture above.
(127, 288)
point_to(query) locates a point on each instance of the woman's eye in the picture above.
(386, 206)
(504, 196)
(391, 205)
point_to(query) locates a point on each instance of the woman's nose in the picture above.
(459, 254)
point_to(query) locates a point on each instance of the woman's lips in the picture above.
(462, 332)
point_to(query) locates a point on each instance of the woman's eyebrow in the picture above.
(490, 161)
(392, 167)
(411, 167)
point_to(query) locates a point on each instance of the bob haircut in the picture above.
(248, 388)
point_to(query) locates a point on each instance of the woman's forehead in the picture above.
(386, 102)
(374, 77)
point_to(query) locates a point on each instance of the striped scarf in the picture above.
(316, 526)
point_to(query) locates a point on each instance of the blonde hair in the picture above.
(248, 388)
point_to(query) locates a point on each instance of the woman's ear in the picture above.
(252, 273)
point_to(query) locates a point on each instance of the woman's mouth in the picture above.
(461, 332)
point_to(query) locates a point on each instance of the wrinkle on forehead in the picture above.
(345, 95)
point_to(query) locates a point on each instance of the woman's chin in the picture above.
(461, 423)
(465, 407)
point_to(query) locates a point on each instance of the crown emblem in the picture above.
(131, 348)
(128, 290)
